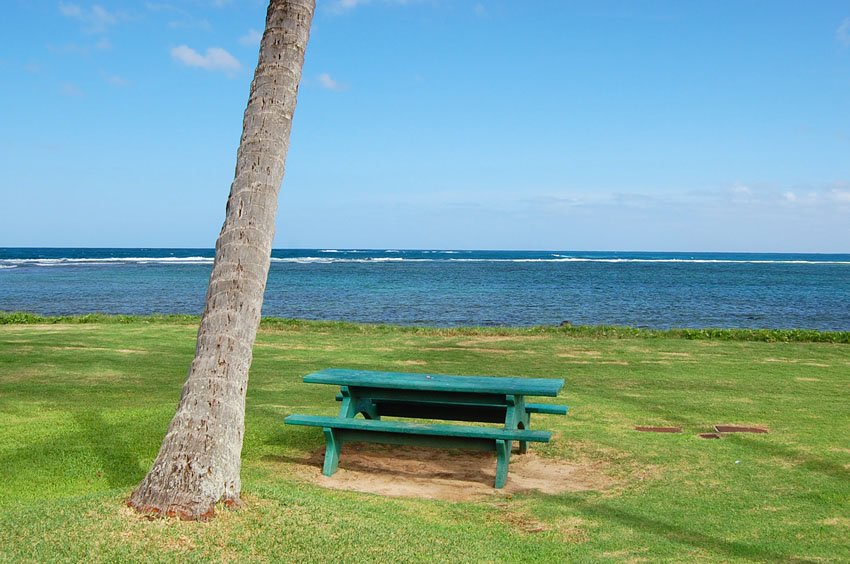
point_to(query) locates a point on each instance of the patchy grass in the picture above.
(85, 402)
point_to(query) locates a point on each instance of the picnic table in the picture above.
(483, 399)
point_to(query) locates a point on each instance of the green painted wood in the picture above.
(516, 417)
(432, 441)
(437, 382)
(404, 427)
(348, 407)
(414, 410)
(427, 396)
(546, 408)
(503, 458)
(333, 446)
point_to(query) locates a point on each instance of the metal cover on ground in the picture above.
(738, 429)
(709, 435)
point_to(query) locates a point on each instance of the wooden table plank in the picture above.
(418, 428)
(437, 382)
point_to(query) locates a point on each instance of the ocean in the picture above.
(452, 287)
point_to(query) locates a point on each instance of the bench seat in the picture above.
(340, 430)
(548, 408)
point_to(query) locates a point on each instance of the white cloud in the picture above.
(843, 33)
(789, 197)
(341, 6)
(115, 80)
(95, 19)
(70, 10)
(71, 89)
(328, 83)
(840, 196)
(252, 38)
(215, 58)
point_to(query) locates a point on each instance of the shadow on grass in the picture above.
(808, 462)
(677, 534)
(118, 460)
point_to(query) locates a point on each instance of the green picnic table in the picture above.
(485, 399)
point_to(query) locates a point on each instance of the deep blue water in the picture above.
(447, 288)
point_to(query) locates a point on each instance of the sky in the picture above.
(443, 124)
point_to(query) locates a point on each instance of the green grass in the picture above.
(84, 403)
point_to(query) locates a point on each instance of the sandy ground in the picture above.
(454, 475)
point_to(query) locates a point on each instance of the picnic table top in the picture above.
(437, 382)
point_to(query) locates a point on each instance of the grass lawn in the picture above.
(84, 407)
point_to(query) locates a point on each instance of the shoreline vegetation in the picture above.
(85, 402)
(590, 331)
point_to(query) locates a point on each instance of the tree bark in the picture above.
(198, 464)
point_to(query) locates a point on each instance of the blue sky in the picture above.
(491, 124)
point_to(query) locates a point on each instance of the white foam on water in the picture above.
(563, 258)
(198, 260)
(106, 260)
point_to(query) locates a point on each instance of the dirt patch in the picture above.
(87, 348)
(571, 529)
(837, 522)
(454, 475)
(283, 346)
(410, 362)
(802, 361)
(803, 379)
(476, 350)
(645, 429)
(480, 339)
(578, 354)
(738, 429)
(596, 362)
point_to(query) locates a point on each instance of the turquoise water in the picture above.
(449, 288)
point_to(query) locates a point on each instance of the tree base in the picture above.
(184, 513)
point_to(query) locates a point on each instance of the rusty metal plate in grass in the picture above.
(659, 429)
(738, 429)
(709, 435)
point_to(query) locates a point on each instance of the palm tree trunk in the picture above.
(198, 463)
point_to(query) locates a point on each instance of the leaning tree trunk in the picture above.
(199, 461)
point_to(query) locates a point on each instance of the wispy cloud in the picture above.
(843, 32)
(115, 80)
(327, 82)
(179, 17)
(95, 19)
(71, 89)
(252, 38)
(342, 6)
(78, 49)
(215, 59)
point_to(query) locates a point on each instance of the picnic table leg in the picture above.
(523, 445)
(517, 418)
(333, 446)
(348, 407)
(368, 409)
(503, 457)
